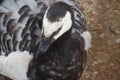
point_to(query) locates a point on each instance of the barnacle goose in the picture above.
(38, 46)
(62, 51)
(20, 32)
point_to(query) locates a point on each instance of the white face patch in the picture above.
(64, 23)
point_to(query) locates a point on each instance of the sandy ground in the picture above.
(104, 56)
(104, 21)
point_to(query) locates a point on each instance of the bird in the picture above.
(43, 40)
(62, 52)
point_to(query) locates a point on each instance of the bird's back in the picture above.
(20, 24)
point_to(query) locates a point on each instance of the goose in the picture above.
(43, 40)
(20, 32)
(62, 51)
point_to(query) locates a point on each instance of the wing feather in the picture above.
(20, 22)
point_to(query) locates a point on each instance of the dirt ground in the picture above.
(104, 56)
(103, 61)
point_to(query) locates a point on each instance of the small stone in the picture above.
(95, 72)
(118, 41)
(107, 6)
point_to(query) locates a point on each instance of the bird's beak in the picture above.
(44, 45)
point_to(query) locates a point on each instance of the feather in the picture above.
(20, 23)
(16, 23)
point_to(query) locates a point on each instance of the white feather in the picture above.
(87, 37)
(2, 9)
(15, 65)
(10, 4)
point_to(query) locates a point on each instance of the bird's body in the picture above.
(66, 32)
(51, 36)
(64, 60)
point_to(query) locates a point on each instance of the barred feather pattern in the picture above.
(20, 25)
(20, 20)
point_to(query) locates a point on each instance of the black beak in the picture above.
(44, 45)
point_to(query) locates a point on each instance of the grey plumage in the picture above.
(16, 21)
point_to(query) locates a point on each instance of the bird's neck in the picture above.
(61, 41)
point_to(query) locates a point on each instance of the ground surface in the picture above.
(104, 56)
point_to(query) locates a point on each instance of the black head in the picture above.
(57, 21)
(57, 11)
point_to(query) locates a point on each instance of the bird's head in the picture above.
(57, 20)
